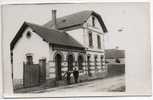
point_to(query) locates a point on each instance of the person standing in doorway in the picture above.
(76, 74)
(68, 77)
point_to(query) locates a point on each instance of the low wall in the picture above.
(116, 69)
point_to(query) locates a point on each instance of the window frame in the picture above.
(98, 41)
(93, 21)
(90, 39)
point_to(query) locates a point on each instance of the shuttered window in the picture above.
(90, 39)
(99, 41)
(93, 21)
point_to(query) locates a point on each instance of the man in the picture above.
(76, 75)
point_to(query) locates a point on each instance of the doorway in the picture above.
(70, 62)
(80, 62)
(58, 61)
(88, 64)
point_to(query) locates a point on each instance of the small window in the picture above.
(80, 62)
(29, 58)
(90, 39)
(64, 20)
(98, 41)
(28, 34)
(101, 58)
(117, 60)
(93, 21)
(95, 62)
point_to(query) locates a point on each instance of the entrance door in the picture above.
(70, 62)
(31, 75)
(88, 64)
(58, 61)
(80, 62)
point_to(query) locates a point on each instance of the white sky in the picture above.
(131, 17)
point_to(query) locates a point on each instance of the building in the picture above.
(115, 60)
(44, 53)
(113, 56)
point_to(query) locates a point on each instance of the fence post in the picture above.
(42, 74)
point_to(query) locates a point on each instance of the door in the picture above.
(70, 62)
(31, 75)
(80, 62)
(88, 64)
(58, 61)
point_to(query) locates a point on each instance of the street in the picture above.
(116, 83)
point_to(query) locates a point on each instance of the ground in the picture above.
(115, 84)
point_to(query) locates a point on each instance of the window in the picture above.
(117, 60)
(93, 21)
(88, 64)
(29, 58)
(101, 59)
(98, 41)
(80, 62)
(28, 34)
(90, 39)
(95, 62)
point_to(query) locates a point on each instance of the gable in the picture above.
(76, 19)
(93, 23)
(48, 35)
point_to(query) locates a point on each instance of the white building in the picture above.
(43, 53)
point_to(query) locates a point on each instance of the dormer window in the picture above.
(93, 21)
(90, 39)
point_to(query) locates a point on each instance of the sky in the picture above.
(117, 17)
(128, 27)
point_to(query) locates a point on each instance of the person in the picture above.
(76, 75)
(68, 77)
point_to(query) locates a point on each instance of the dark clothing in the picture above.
(68, 77)
(76, 75)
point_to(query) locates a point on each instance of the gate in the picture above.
(31, 75)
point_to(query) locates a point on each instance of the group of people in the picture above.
(75, 75)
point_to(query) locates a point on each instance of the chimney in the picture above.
(54, 19)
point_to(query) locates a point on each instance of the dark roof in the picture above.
(49, 35)
(114, 53)
(75, 20)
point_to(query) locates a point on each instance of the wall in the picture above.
(78, 35)
(97, 30)
(92, 62)
(81, 35)
(34, 45)
(51, 67)
(112, 61)
(83, 74)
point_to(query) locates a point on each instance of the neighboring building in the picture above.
(46, 52)
(113, 56)
(115, 60)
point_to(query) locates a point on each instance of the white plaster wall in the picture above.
(97, 30)
(97, 24)
(34, 45)
(78, 35)
(81, 34)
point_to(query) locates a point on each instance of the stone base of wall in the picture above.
(17, 84)
(49, 83)
(82, 78)
(116, 69)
